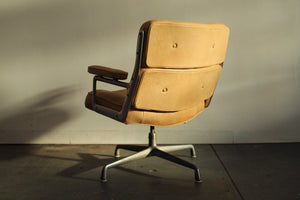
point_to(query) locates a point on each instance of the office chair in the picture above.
(176, 71)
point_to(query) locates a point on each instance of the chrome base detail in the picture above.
(153, 150)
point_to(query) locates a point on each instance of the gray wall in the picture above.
(46, 47)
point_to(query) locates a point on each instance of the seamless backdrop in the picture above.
(46, 46)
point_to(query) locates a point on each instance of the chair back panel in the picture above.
(175, 89)
(172, 44)
(181, 65)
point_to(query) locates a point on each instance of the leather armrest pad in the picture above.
(108, 72)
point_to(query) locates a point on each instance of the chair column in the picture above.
(152, 137)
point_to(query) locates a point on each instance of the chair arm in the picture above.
(108, 72)
(119, 116)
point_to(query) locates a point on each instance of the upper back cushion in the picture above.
(171, 44)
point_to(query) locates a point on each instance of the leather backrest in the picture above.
(171, 44)
(181, 64)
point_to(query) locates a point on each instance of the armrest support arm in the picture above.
(112, 79)
(104, 110)
(107, 72)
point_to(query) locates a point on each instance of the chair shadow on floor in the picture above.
(87, 162)
(88, 168)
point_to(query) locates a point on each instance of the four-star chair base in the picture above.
(153, 150)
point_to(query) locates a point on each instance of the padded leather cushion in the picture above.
(115, 99)
(175, 89)
(171, 44)
(108, 72)
(110, 99)
(153, 118)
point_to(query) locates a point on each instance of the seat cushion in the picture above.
(109, 99)
(154, 118)
(115, 99)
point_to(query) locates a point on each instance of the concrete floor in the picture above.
(251, 171)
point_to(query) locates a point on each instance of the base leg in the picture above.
(179, 161)
(172, 148)
(128, 147)
(139, 155)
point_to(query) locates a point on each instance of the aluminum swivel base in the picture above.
(153, 150)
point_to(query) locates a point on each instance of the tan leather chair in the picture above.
(177, 67)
